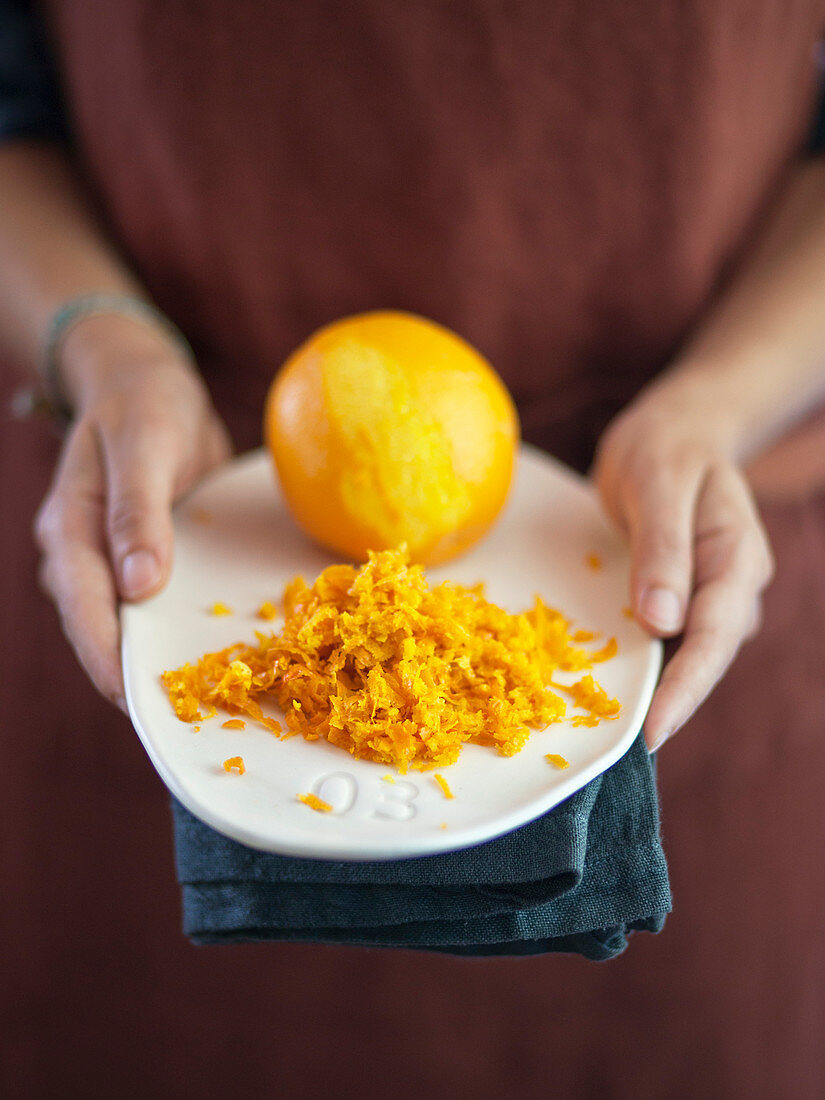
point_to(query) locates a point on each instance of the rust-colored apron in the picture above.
(566, 185)
(562, 183)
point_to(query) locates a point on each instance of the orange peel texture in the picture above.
(386, 428)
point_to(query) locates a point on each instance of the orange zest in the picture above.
(218, 679)
(315, 803)
(605, 653)
(444, 785)
(234, 764)
(557, 760)
(378, 663)
(590, 696)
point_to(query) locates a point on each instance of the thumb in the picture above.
(660, 522)
(140, 471)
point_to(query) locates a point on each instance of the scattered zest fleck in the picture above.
(197, 729)
(388, 778)
(594, 562)
(583, 636)
(591, 697)
(443, 825)
(220, 609)
(606, 652)
(628, 613)
(315, 803)
(267, 611)
(444, 785)
(234, 724)
(556, 760)
(234, 764)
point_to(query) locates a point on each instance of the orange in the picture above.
(388, 428)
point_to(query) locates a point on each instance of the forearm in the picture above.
(52, 248)
(144, 429)
(756, 363)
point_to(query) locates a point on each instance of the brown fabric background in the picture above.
(566, 185)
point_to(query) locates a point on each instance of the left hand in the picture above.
(700, 557)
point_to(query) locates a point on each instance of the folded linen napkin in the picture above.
(577, 879)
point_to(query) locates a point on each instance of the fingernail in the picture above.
(660, 740)
(661, 608)
(139, 573)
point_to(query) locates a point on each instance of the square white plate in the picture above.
(236, 544)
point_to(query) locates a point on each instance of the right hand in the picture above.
(144, 432)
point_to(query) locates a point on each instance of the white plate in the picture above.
(246, 553)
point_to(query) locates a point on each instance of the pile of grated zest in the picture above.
(382, 665)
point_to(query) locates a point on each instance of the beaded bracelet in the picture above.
(77, 309)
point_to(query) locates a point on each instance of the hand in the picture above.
(144, 432)
(699, 555)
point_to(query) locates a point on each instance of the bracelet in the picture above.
(77, 309)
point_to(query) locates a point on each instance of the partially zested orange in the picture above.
(387, 428)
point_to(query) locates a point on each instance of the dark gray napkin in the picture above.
(578, 879)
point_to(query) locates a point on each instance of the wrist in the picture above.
(747, 398)
(697, 406)
(675, 416)
(106, 352)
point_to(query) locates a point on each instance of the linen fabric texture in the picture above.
(578, 879)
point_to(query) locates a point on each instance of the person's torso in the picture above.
(564, 184)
